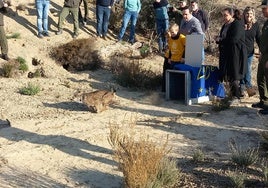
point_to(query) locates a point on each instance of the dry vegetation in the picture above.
(77, 55)
(143, 162)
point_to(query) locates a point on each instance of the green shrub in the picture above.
(243, 158)
(145, 50)
(237, 179)
(264, 169)
(22, 64)
(198, 156)
(30, 89)
(168, 174)
(14, 36)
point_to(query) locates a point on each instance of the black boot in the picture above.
(264, 111)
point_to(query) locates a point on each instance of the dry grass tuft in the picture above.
(77, 55)
(21, 7)
(142, 161)
(13, 68)
(264, 136)
(243, 157)
(237, 179)
(132, 74)
(198, 156)
(219, 104)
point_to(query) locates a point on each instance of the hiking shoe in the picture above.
(258, 105)
(264, 111)
(75, 36)
(251, 92)
(131, 42)
(5, 57)
(40, 35)
(46, 34)
(59, 32)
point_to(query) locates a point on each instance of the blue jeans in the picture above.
(103, 15)
(161, 28)
(247, 79)
(132, 16)
(42, 7)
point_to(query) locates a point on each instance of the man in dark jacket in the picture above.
(3, 39)
(70, 6)
(200, 14)
(262, 72)
(103, 11)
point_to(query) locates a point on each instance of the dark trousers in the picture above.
(235, 88)
(262, 80)
(82, 18)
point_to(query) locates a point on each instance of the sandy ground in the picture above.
(53, 141)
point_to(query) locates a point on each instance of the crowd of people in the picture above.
(236, 46)
(236, 41)
(237, 36)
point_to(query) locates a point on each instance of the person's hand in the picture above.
(5, 4)
(182, 60)
(169, 61)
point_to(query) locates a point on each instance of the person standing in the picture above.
(42, 7)
(3, 38)
(132, 9)
(175, 14)
(82, 19)
(161, 17)
(252, 34)
(200, 14)
(103, 11)
(233, 54)
(189, 23)
(70, 6)
(262, 72)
